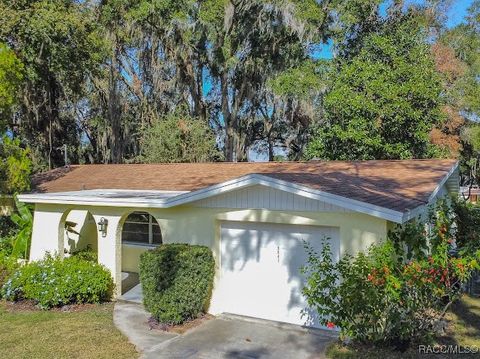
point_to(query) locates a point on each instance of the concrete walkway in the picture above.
(223, 337)
(132, 320)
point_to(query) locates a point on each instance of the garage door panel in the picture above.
(260, 269)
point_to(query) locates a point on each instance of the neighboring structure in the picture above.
(471, 194)
(254, 216)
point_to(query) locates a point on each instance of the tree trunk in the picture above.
(229, 130)
(116, 155)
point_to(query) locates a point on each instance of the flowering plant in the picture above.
(55, 282)
(394, 292)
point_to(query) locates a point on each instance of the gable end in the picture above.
(258, 196)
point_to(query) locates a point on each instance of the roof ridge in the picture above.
(261, 162)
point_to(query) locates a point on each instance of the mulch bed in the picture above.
(181, 328)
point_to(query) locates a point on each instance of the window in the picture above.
(142, 228)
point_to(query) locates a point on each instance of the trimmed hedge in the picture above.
(54, 282)
(177, 281)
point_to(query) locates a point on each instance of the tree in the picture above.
(251, 42)
(464, 40)
(15, 167)
(461, 46)
(11, 75)
(178, 138)
(55, 40)
(384, 101)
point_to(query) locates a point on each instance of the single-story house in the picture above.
(254, 217)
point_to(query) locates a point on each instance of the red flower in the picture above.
(330, 325)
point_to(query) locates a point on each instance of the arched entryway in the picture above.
(140, 232)
(79, 231)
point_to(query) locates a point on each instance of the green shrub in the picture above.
(87, 254)
(375, 297)
(467, 219)
(7, 265)
(53, 282)
(396, 291)
(177, 281)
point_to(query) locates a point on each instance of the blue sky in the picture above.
(455, 15)
(457, 12)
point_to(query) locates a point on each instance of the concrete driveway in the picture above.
(222, 337)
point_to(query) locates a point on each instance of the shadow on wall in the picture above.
(80, 231)
(269, 259)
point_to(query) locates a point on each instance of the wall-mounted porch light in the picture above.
(102, 226)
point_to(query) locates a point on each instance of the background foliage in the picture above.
(104, 78)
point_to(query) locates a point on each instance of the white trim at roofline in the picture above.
(257, 179)
(228, 186)
(443, 182)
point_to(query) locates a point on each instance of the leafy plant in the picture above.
(7, 265)
(15, 168)
(87, 254)
(467, 220)
(410, 240)
(53, 282)
(396, 291)
(23, 219)
(375, 297)
(177, 280)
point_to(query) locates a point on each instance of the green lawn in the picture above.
(464, 330)
(87, 333)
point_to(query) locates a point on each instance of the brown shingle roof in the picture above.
(398, 185)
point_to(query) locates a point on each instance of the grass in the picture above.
(84, 333)
(464, 330)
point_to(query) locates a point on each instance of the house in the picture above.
(254, 216)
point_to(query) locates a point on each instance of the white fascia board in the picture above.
(443, 182)
(256, 179)
(414, 213)
(232, 185)
(91, 199)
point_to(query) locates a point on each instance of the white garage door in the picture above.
(260, 269)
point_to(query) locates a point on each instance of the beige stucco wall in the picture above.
(86, 231)
(202, 226)
(187, 224)
(131, 255)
